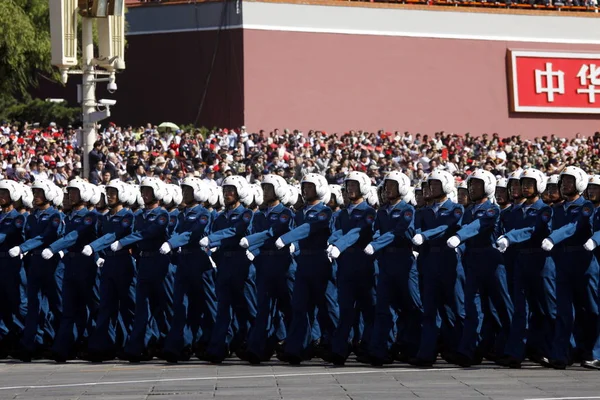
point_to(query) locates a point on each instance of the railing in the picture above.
(538, 5)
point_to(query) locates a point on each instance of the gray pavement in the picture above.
(275, 380)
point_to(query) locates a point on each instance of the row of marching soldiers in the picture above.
(504, 270)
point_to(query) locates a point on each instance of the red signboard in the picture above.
(550, 82)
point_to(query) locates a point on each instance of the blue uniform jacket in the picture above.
(112, 228)
(230, 227)
(150, 230)
(173, 220)
(483, 230)
(437, 227)
(269, 225)
(354, 228)
(312, 228)
(11, 230)
(42, 229)
(394, 226)
(533, 226)
(81, 228)
(193, 224)
(572, 223)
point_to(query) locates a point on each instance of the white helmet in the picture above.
(540, 178)
(123, 191)
(372, 198)
(201, 191)
(96, 194)
(502, 183)
(489, 181)
(320, 183)
(445, 177)
(336, 190)
(15, 190)
(176, 193)
(157, 186)
(60, 195)
(363, 180)
(27, 196)
(453, 196)
(581, 178)
(401, 179)
(594, 180)
(279, 185)
(215, 195)
(291, 197)
(47, 187)
(553, 180)
(410, 197)
(257, 194)
(85, 189)
(515, 175)
(461, 185)
(241, 186)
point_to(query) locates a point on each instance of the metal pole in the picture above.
(88, 89)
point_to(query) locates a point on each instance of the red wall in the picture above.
(338, 82)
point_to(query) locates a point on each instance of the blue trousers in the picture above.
(485, 283)
(80, 302)
(236, 291)
(314, 278)
(193, 322)
(150, 320)
(534, 298)
(442, 281)
(398, 290)
(275, 275)
(13, 301)
(117, 303)
(356, 277)
(576, 294)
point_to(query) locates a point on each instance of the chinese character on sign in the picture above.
(589, 75)
(547, 84)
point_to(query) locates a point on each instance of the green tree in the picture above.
(24, 47)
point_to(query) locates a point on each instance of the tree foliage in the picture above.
(25, 49)
(43, 112)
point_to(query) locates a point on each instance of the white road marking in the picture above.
(210, 378)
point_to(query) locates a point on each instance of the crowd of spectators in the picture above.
(130, 153)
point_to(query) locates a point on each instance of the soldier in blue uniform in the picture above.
(117, 302)
(13, 302)
(484, 270)
(275, 270)
(150, 232)
(43, 227)
(462, 194)
(235, 284)
(534, 294)
(398, 282)
(442, 276)
(576, 272)
(356, 273)
(314, 273)
(79, 299)
(553, 196)
(194, 277)
(502, 196)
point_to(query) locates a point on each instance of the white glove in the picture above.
(369, 250)
(589, 245)
(100, 262)
(415, 254)
(292, 248)
(502, 244)
(165, 248)
(61, 254)
(15, 251)
(418, 239)
(279, 243)
(204, 242)
(116, 246)
(244, 243)
(329, 249)
(47, 254)
(453, 242)
(87, 250)
(547, 244)
(249, 255)
(334, 252)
